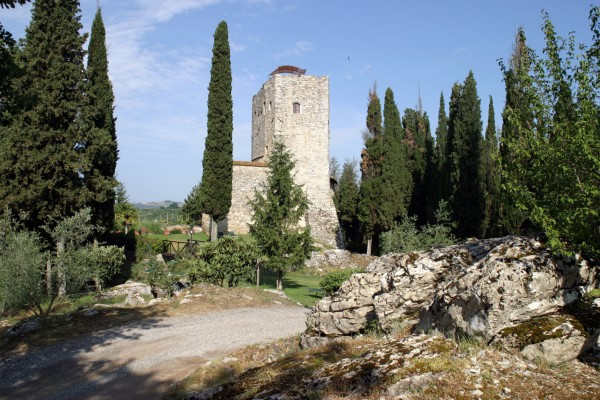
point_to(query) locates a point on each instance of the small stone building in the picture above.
(293, 108)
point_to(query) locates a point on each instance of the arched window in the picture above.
(296, 108)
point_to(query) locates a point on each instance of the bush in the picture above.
(405, 236)
(175, 232)
(147, 247)
(99, 263)
(21, 266)
(333, 281)
(157, 274)
(228, 261)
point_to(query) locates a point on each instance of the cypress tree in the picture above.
(41, 165)
(396, 179)
(517, 120)
(101, 140)
(441, 188)
(465, 161)
(491, 176)
(217, 167)
(370, 186)
(277, 208)
(346, 201)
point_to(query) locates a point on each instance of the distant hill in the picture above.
(156, 204)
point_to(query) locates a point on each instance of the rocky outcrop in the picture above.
(325, 261)
(477, 288)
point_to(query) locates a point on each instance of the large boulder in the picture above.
(325, 261)
(476, 288)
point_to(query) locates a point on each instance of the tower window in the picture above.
(296, 108)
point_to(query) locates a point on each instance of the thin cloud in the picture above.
(301, 47)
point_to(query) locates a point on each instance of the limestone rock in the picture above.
(24, 327)
(478, 288)
(333, 259)
(134, 300)
(127, 288)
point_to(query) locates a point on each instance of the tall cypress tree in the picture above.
(465, 161)
(441, 187)
(101, 150)
(370, 186)
(397, 181)
(491, 176)
(40, 169)
(346, 201)
(215, 188)
(518, 119)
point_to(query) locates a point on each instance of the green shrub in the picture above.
(175, 232)
(228, 261)
(21, 266)
(333, 281)
(157, 274)
(405, 236)
(147, 247)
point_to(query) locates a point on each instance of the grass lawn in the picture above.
(179, 236)
(295, 286)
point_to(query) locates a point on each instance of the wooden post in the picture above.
(369, 244)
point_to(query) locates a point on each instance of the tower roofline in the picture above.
(288, 69)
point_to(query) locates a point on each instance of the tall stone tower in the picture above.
(293, 108)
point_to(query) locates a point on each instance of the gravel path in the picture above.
(141, 359)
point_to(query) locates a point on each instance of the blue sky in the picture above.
(160, 52)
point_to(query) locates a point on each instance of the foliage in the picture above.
(42, 158)
(554, 174)
(217, 167)
(441, 188)
(229, 261)
(346, 201)
(405, 236)
(396, 180)
(333, 280)
(100, 140)
(464, 144)
(277, 209)
(147, 247)
(125, 212)
(175, 232)
(156, 274)
(490, 173)
(192, 208)
(21, 266)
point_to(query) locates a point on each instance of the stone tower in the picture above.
(293, 108)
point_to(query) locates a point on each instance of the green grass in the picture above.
(295, 286)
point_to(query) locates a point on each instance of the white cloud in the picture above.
(301, 47)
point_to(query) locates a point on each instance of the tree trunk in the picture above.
(369, 244)
(279, 281)
(48, 277)
(214, 229)
(60, 269)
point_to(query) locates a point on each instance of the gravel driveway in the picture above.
(141, 359)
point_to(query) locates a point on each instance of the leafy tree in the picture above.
(12, 3)
(41, 161)
(555, 175)
(465, 142)
(21, 266)
(277, 210)
(396, 180)
(346, 201)
(215, 189)
(491, 176)
(334, 168)
(370, 186)
(101, 151)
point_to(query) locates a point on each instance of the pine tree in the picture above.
(396, 179)
(346, 201)
(215, 189)
(370, 186)
(491, 176)
(101, 150)
(277, 209)
(465, 161)
(42, 162)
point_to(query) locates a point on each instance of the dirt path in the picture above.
(141, 359)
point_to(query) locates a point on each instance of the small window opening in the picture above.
(296, 108)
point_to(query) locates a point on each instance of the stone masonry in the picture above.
(293, 109)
